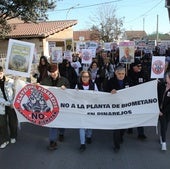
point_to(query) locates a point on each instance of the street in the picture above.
(30, 151)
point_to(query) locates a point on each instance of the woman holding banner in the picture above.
(164, 104)
(85, 83)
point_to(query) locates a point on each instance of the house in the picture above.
(134, 35)
(42, 34)
(86, 35)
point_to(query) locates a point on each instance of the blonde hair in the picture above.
(107, 60)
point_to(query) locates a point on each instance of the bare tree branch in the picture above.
(109, 26)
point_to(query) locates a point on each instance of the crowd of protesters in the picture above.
(105, 74)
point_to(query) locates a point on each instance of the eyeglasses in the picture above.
(139, 65)
(85, 76)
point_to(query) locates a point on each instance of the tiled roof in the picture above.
(86, 34)
(41, 29)
(135, 34)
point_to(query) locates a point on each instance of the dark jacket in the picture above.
(164, 99)
(91, 86)
(69, 73)
(113, 83)
(42, 69)
(98, 79)
(136, 77)
(60, 81)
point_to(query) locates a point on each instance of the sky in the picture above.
(138, 14)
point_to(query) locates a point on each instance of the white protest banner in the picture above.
(56, 55)
(80, 46)
(50, 46)
(76, 65)
(140, 44)
(91, 44)
(107, 46)
(19, 58)
(113, 46)
(158, 67)
(126, 52)
(68, 55)
(93, 52)
(36, 58)
(71, 108)
(151, 45)
(86, 56)
(162, 50)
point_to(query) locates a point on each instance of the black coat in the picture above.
(136, 77)
(164, 99)
(70, 74)
(60, 81)
(113, 83)
(91, 86)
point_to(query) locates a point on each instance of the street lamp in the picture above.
(70, 10)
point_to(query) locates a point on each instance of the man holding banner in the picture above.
(118, 82)
(58, 81)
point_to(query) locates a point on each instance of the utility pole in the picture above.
(143, 29)
(143, 24)
(157, 33)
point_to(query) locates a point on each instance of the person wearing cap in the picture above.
(118, 82)
(54, 79)
(137, 77)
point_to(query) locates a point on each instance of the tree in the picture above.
(95, 34)
(27, 10)
(161, 36)
(107, 24)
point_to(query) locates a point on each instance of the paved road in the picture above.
(30, 151)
